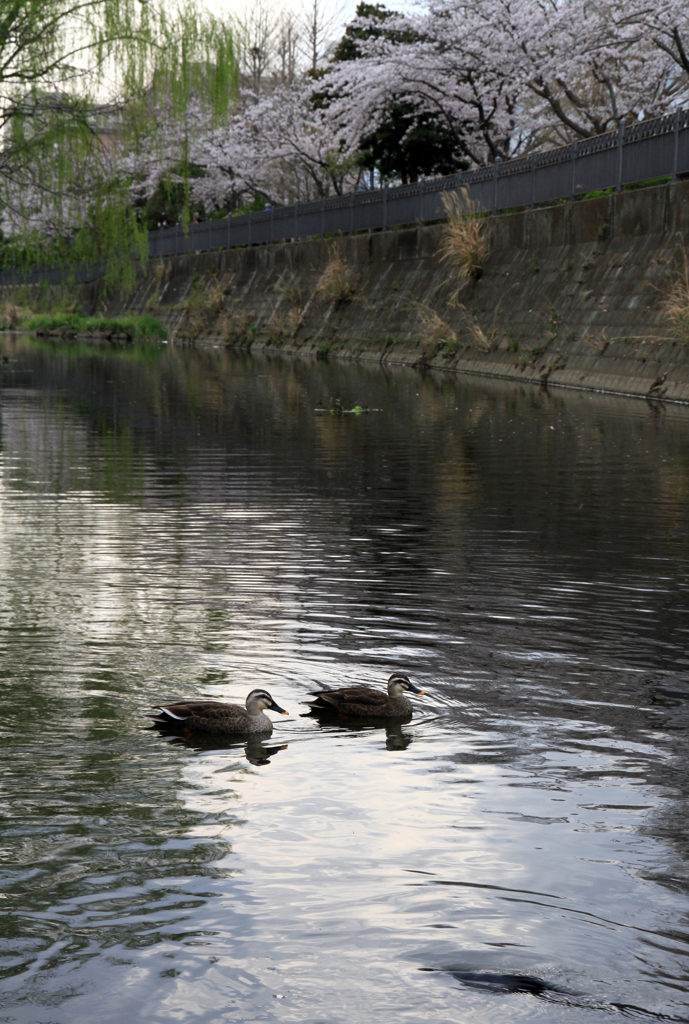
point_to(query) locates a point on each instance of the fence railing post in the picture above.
(620, 151)
(229, 232)
(296, 219)
(573, 188)
(420, 217)
(272, 237)
(533, 181)
(385, 207)
(323, 217)
(351, 213)
(249, 227)
(675, 156)
(496, 172)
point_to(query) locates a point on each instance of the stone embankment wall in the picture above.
(573, 294)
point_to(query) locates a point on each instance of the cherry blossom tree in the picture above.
(509, 75)
(495, 78)
(281, 148)
(667, 24)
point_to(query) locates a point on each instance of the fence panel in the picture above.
(596, 164)
(368, 210)
(514, 184)
(650, 157)
(402, 205)
(481, 187)
(683, 143)
(336, 216)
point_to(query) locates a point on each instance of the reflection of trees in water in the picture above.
(471, 468)
(98, 835)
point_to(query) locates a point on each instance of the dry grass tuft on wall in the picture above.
(433, 328)
(598, 341)
(11, 316)
(466, 240)
(477, 337)
(677, 302)
(236, 327)
(282, 325)
(336, 282)
(162, 271)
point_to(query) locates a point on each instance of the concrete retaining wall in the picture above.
(573, 294)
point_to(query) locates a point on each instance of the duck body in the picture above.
(367, 702)
(215, 717)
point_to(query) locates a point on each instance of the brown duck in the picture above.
(212, 716)
(365, 702)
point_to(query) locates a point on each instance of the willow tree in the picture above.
(81, 82)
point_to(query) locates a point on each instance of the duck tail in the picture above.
(158, 719)
(321, 702)
(171, 714)
(167, 717)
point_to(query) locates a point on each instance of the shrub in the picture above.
(466, 243)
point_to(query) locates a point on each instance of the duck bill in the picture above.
(276, 707)
(415, 689)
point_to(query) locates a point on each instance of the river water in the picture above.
(176, 523)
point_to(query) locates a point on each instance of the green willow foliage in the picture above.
(80, 82)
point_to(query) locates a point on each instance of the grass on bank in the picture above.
(466, 242)
(336, 282)
(677, 303)
(143, 327)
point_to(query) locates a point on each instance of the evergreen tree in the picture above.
(409, 143)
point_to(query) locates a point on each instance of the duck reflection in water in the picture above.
(256, 750)
(395, 736)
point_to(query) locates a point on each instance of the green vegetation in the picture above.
(143, 327)
(337, 408)
(81, 84)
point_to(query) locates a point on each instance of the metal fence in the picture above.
(633, 153)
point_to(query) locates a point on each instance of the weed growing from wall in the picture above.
(466, 243)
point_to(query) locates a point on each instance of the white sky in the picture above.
(341, 12)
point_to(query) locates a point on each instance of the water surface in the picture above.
(179, 523)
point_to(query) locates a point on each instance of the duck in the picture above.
(367, 702)
(214, 717)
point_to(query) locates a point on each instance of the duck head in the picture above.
(397, 684)
(260, 700)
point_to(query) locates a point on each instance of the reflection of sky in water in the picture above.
(528, 821)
